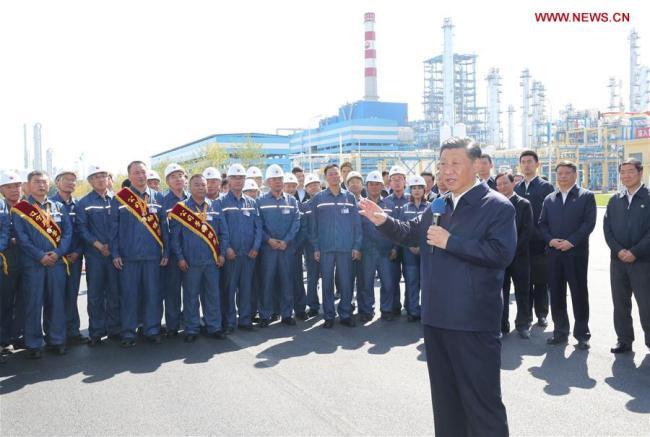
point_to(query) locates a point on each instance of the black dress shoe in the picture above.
(312, 312)
(557, 340)
(34, 354)
(5, 351)
(173, 333)
(127, 343)
(256, 319)
(289, 321)
(229, 330)
(542, 322)
(246, 327)
(365, 317)
(301, 315)
(139, 331)
(190, 338)
(79, 339)
(154, 339)
(219, 335)
(115, 337)
(621, 348)
(275, 317)
(389, 317)
(411, 318)
(264, 323)
(349, 322)
(583, 344)
(328, 324)
(19, 344)
(397, 312)
(94, 341)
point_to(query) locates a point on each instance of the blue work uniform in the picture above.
(44, 287)
(141, 255)
(12, 307)
(74, 279)
(94, 222)
(171, 274)
(335, 233)
(396, 204)
(375, 260)
(244, 234)
(299, 295)
(201, 280)
(313, 267)
(412, 263)
(5, 228)
(281, 221)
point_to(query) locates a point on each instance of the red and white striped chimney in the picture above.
(370, 74)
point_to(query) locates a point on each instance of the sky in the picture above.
(122, 80)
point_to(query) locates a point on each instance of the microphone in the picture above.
(438, 208)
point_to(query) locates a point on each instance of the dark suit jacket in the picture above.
(307, 197)
(461, 285)
(627, 226)
(537, 191)
(574, 220)
(491, 183)
(525, 226)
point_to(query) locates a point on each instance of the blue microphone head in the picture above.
(438, 206)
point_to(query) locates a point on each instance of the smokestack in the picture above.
(38, 151)
(370, 57)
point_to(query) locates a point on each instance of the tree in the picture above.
(250, 153)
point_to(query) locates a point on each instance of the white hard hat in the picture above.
(10, 177)
(152, 175)
(250, 184)
(290, 178)
(254, 172)
(396, 169)
(416, 180)
(211, 173)
(236, 170)
(353, 174)
(94, 169)
(374, 176)
(173, 167)
(65, 171)
(310, 178)
(274, 171)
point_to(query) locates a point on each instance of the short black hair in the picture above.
(509, 175)
(297, 169)
(132, 163)
(347, 164)
(328, 166)
(384, 173)
(428, 173)
(632, 161)
(35, 173)
(224, 182)
(471, 147)
(126, 183)
(568, 164)
(486, 156)
(529, 153)
(195, 176)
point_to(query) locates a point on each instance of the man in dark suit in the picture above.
(568, 217)
(627, 232)
(430, 180)
(519, 270)
(463, 262)
(485, 171)
(535, 189)
(301, 194)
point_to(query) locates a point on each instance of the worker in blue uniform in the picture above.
(4, 244)
(200, 260)
(415, 207)
(44, 248)
(280, 226)
(11, 299)
(299, 294)
(94, 222)
(336, 236)
(395, 201)
(176, 179)
(66, 182)
(241, 249)
(375, 258)
(139, 251)
(312, 186)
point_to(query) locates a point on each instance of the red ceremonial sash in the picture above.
(41, 221)
(138, 207)
(198, 225)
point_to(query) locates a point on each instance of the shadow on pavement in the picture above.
(632, 380)
(562, 373)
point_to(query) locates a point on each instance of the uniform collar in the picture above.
(574, 190)
(191, 202)
(57, 197)
(473, 194)
(343, 191)
(109, 194)
(31, 200)
(641, 192)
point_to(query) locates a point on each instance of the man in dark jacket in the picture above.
(535, 189)
(485, 171)
(463, 262)
(627, 232)
(568, 217)
(519, 270)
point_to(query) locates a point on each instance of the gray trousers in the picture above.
(627, 279)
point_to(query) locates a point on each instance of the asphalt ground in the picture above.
(304, 380)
